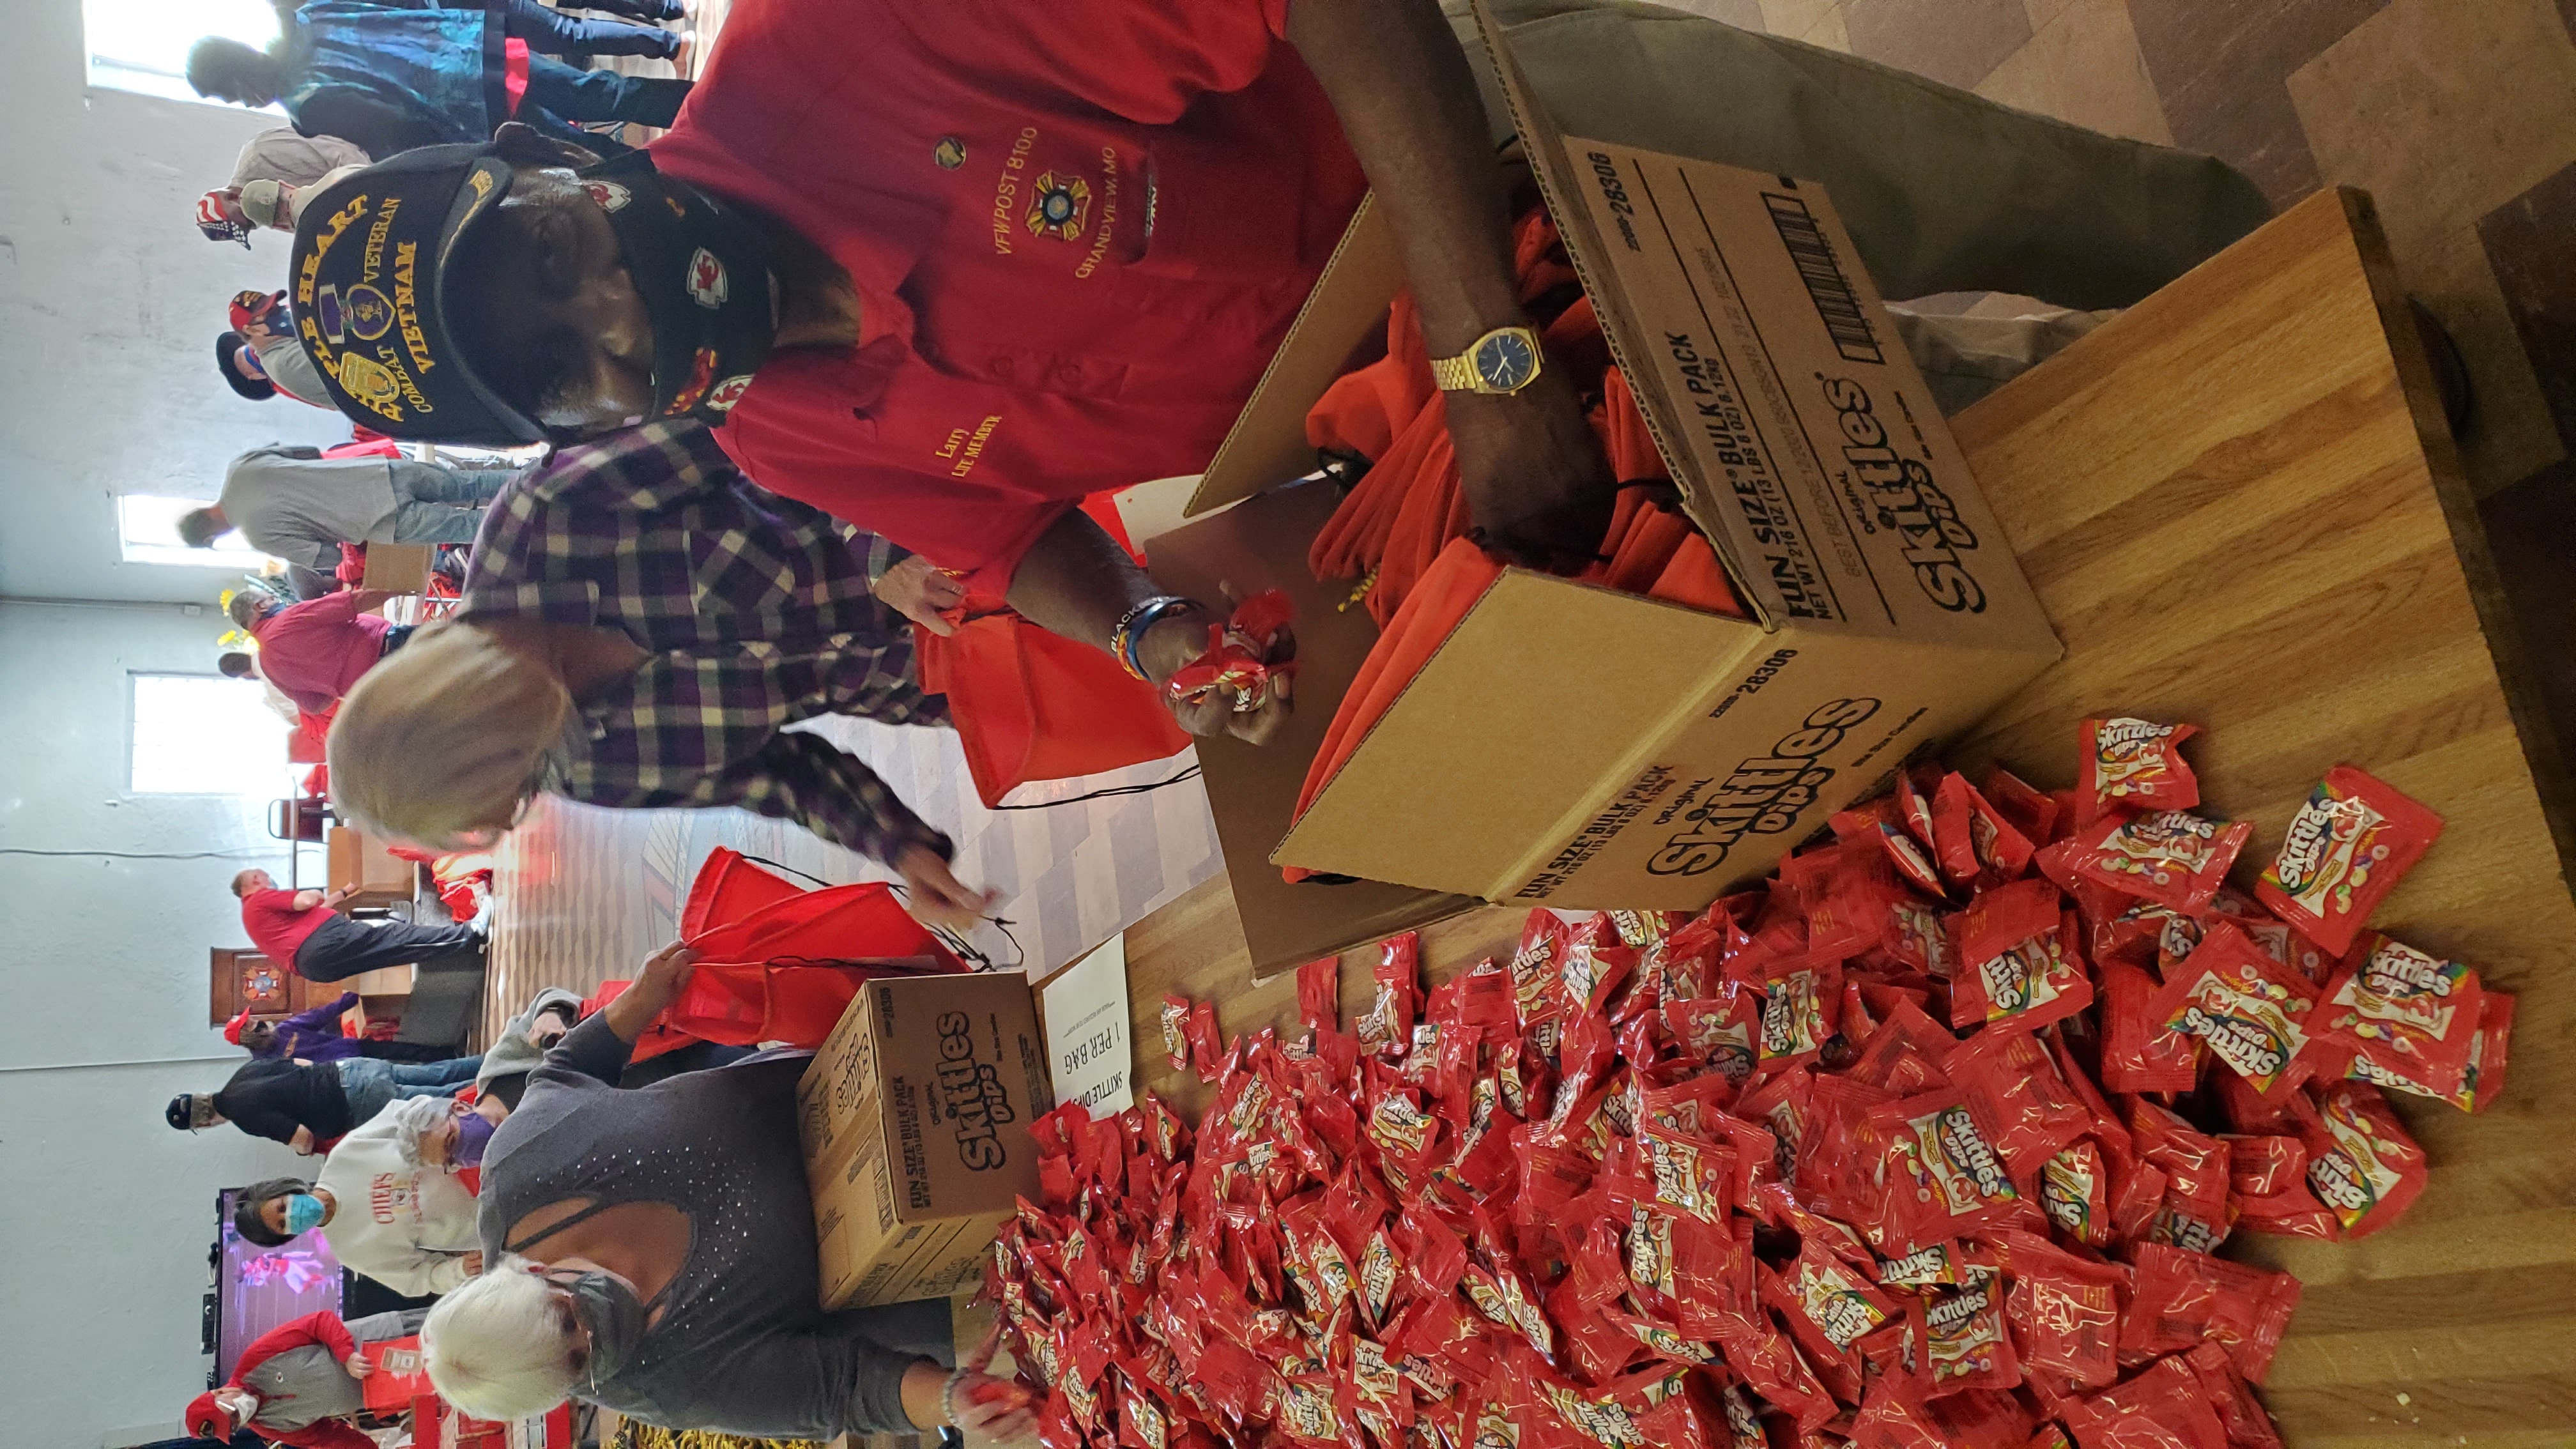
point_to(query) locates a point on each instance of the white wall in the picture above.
(109, 306)
(108, 1213)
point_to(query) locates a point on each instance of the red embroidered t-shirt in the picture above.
(1078, 231)
(276, 927)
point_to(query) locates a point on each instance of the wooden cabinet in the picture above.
(248, 979)
(360, 863)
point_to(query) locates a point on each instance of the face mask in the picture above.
(303, 1213)
(704, 277)
(473, 1133)
(606, 1307)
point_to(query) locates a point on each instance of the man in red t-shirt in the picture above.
(314, 651)
(301, 929)
(944, 270)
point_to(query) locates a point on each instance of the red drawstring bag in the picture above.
(1034, 705)
(777, 963)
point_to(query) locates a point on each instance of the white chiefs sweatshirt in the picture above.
(406, 1227)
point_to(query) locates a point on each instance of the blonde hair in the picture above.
(443, 736)
(501, 1346)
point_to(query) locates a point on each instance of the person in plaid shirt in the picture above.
(640, 623)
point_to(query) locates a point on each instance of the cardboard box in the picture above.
(1575, 747)
(401, 567)
(915, 1121)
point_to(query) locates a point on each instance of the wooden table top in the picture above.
(2240, 507)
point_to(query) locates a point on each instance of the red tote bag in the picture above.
(778, 962)
(1033, 705)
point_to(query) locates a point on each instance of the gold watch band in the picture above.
(1454, 374)
(1460, 373)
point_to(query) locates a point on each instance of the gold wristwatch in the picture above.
(1501, 362)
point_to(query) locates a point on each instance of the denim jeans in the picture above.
(559, 92)
(438, 504)
(372, 1085)
(551, 32)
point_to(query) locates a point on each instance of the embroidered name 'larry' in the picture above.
(964, 448)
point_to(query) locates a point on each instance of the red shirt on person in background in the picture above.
(314, 651)
(1077, 230)
(277, 927)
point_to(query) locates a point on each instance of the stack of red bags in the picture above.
(1912, 1148)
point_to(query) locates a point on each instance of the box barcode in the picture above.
(1844, 320)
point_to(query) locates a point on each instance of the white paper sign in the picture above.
(1088, 1048)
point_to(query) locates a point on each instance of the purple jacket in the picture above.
(314, 1034)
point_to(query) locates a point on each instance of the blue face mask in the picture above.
(303, 1213)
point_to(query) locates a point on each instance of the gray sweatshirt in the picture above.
(303, 1386)
(292, 503)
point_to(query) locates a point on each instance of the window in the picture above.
(142, 45)
(147, 530)
(203, 734)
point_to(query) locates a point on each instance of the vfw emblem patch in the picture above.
(1059, 206)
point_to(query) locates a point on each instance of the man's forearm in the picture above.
(1076, 581)
(1407, 101)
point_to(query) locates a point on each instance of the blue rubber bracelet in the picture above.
(1132, 630)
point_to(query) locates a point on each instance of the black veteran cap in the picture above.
(369, 253)
(370, 264)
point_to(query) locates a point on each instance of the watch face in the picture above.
(1506, 362)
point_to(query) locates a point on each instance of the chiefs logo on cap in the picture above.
(729, 392)
(609, 195)
(706, 279)
(702, 370)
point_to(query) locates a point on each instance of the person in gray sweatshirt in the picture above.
(299, 1383)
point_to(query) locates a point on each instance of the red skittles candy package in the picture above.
(2135, 765)
(2344, 852)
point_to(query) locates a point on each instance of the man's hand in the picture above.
(334, 899)
(302, 1141)
(1537, 483)
(916, 589)
(358, 1365)
(1535, 480)
(474, 1263)
(939, 898)
(1182, 636)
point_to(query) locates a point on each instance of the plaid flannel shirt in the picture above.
(755, 611)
